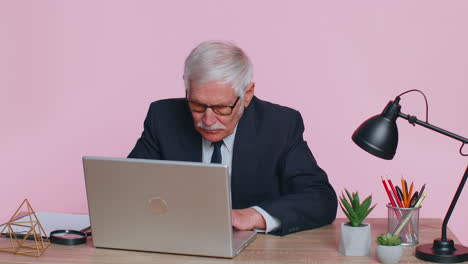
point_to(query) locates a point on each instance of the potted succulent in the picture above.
(355, 236)
(389, 248)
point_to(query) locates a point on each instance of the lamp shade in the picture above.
(378, 135)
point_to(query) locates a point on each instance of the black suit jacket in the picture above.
(272, 166)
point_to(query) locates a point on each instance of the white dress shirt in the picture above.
(227, 148)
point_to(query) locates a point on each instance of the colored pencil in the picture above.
(388, 193)
(405, 191)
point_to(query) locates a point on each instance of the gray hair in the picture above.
(218, 61)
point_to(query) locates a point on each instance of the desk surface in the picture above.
(313, 246)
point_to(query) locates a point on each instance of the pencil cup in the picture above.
(405, 223)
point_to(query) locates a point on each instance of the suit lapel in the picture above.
(244, 162)
(190, 141)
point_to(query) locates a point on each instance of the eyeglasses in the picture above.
(218, 109)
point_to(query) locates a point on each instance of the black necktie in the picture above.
(216, 157)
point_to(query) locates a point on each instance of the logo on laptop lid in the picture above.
(157, 205)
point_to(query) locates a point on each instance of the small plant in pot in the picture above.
(355, 236)
(389, 250)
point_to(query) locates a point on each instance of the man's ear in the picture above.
(249, 93)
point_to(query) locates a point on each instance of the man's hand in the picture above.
(247, 219)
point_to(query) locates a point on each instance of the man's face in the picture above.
(214, 127)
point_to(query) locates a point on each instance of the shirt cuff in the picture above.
(271, 222)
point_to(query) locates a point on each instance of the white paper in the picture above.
(53, 221)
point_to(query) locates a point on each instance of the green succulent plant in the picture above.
(388, 239)
(353, 209)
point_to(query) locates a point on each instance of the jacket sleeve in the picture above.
(147, 146)
(307, 199)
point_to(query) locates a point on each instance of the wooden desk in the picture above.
(313, 246)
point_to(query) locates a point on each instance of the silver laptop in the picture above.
(162, 206)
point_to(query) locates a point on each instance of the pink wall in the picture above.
(77, 77)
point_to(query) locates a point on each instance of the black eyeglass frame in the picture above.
(213, 107)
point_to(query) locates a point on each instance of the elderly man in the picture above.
(276, 184)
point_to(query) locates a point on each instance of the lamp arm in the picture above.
(452, 204)
(414, 120)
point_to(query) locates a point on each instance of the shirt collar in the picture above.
(228, 141)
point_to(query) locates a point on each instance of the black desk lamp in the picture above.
(379, 136)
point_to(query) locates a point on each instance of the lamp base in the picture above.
(442, 251)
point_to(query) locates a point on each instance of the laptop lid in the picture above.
(161, 206)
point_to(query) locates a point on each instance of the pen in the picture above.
(420, 198)
(399, 192)
(414, 199)
(422, 189)
(400, 204)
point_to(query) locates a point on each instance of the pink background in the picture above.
(77, 77)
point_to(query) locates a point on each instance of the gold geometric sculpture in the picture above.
(19, 242)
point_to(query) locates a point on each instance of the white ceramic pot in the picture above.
(389, 254)
(355, 241)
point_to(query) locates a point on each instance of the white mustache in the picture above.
(214, 126)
